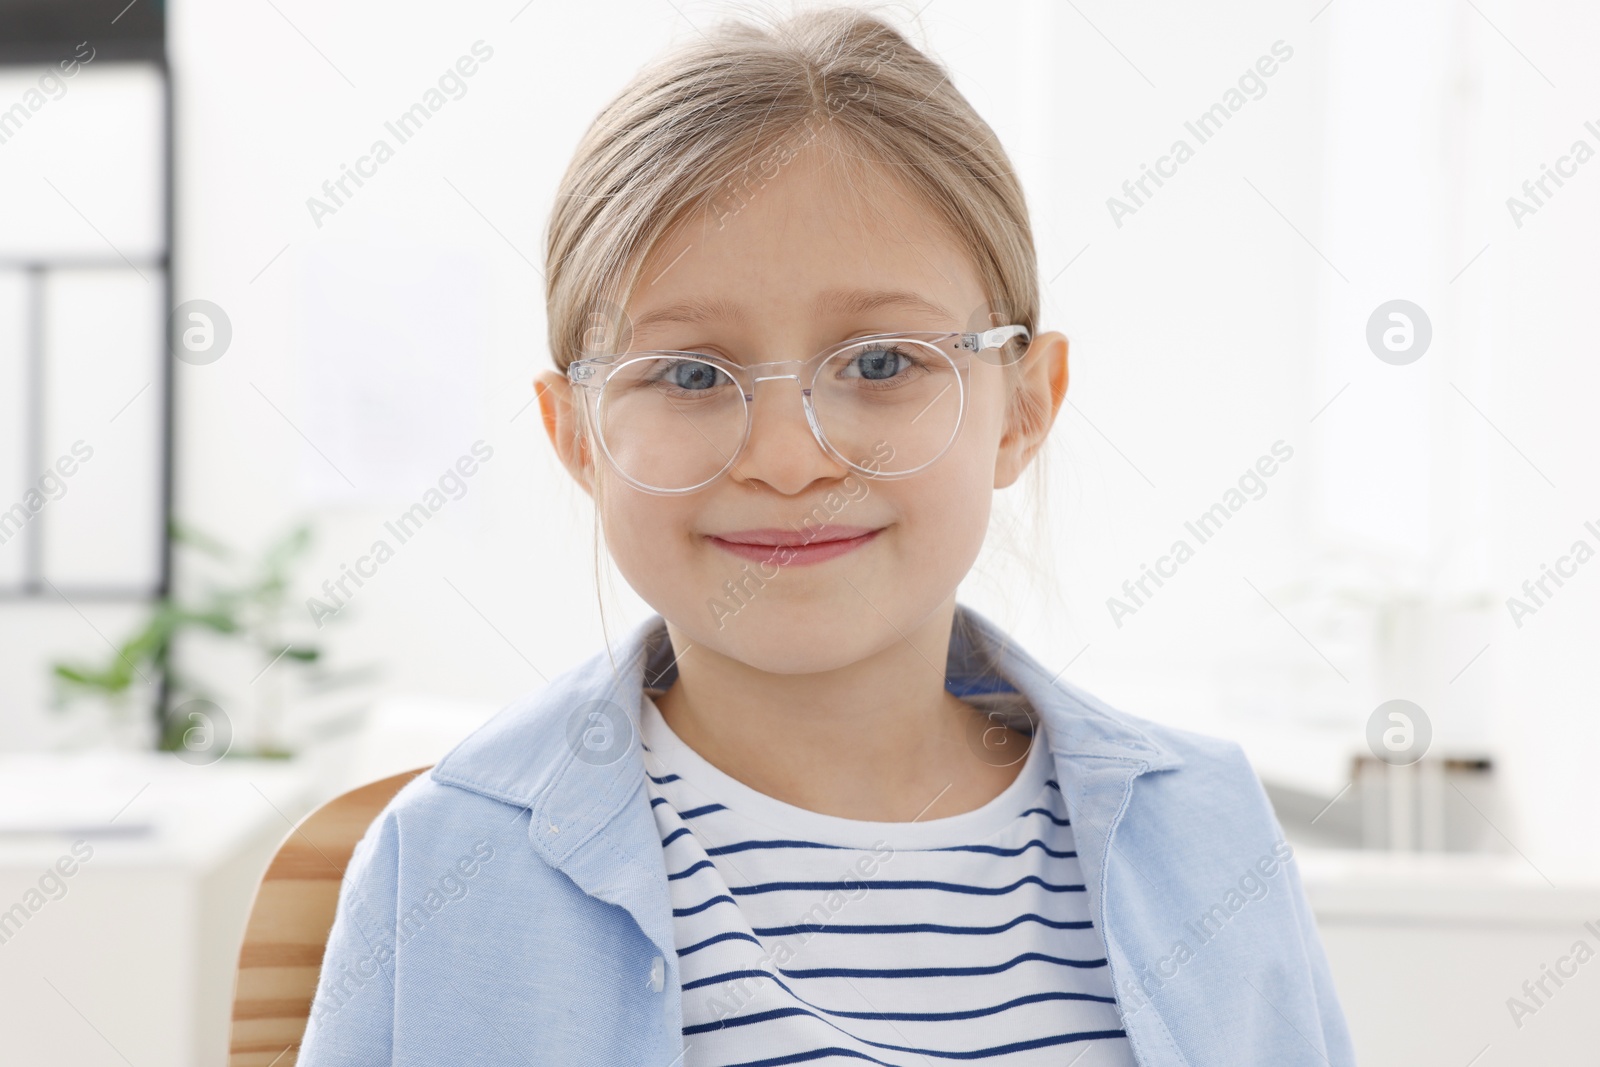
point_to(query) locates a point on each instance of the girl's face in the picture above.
(773, 274)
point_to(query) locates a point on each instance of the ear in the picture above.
(1032, 412)
(558, 406)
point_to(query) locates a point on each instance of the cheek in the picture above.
(945, 510)
(959, 494)
(646, 536)
(969, 465)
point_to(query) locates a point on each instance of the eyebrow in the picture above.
(846, 301)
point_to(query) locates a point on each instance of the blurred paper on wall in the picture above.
(391, 350)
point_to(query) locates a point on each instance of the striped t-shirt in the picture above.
(811, 938)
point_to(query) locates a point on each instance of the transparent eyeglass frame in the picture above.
(591, 373)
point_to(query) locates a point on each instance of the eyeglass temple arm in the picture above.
(982, 342)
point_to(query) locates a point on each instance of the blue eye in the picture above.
(880, 363)
(681, 378)
(691, 376)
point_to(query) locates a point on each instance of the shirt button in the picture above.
(658, 974)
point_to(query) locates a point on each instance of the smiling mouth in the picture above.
(787, 548)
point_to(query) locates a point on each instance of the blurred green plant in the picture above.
(248, 608)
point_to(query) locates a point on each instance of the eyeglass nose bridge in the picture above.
(797, 365)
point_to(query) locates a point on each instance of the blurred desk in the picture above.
(130, 958)
(1427, 949)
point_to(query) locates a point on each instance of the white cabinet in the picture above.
(131, 957)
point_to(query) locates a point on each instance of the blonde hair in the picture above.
(720, 114)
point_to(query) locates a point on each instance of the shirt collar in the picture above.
(570, 751)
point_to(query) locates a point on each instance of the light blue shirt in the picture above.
(511, 906)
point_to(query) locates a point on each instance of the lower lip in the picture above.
(794, 555)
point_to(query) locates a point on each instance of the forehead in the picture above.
(815, 239)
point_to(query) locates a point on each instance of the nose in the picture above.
(782, 452)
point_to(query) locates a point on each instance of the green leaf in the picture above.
(188, 535)
(290, 545)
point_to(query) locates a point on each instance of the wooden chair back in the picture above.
(289, 922)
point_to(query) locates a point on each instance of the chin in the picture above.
(783, 636)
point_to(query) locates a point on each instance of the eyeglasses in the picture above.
(886, 405)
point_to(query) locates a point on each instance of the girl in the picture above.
(813, 810)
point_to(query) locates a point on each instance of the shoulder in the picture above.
(1192, 782)
(1199, 755)
(426, 807)
(431, 827)
(1207, 756)
(1215, 791)
(425, 823)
